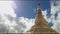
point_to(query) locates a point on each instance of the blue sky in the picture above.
(27, 8)
(20, 15)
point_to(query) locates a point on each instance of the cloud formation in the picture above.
(9, 21)
(55, 15)
(55, 9)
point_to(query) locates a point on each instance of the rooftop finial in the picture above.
(39, 13)
(38, 4)
(38, 1)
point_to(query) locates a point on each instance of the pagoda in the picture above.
(41, 25)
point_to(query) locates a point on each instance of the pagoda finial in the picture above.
(38, 1)
(39, 13)
(38, 5)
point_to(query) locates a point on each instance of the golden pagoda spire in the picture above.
(39, 13)
(39, 4)
(41, 26)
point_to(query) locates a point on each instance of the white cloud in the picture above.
(8, 19)
(55, 8)
(21, 25)
(27, 22)
(6, 9)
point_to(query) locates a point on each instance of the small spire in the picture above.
(39, 13)
(38, 4)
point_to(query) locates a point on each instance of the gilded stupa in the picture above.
(41, 25)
